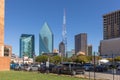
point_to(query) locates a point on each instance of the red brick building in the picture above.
(4, 61)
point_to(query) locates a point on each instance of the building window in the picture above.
(6, 51)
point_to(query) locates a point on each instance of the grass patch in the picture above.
(21, 75)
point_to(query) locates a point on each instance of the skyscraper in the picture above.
(111, 25)
(62, 49)
(1, 27)
(89, 50)
(45, 39)
(81, 43)
(27, 45)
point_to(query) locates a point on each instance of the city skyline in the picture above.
(81, 17)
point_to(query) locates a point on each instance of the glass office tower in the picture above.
(27, 45)
(45, 40)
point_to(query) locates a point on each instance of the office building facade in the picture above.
(8, 50)
(110, 47)
(45, 40)
(62, 49)
(81, 43)
(4, 61)
(111, 25)
(111, 35)
(27, 45)
(89, 49)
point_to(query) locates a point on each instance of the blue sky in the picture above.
(82, 16)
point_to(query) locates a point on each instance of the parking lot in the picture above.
(103, 76)
(100, 72)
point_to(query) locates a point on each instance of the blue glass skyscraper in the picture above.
(27, 45)
(45, 39)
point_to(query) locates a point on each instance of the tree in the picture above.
(117, 58)
(41, 58)
(69, 59)
(82, 59)
(56, 59)
(74, 58)
(98, 57)
(110, 59)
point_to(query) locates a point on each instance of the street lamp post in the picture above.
(23, 62)
(89, 70)
(94, 65)
(23, 59)
(113, 65)
(34, 58)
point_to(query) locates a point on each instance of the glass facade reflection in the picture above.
(27, 45)
(45, 40)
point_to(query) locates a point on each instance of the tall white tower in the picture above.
(64, 33)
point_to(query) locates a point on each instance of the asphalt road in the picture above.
(104, 76)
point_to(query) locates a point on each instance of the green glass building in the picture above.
(45, 39)
(27, 45)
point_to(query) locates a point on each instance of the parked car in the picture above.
(56, 69)
(19, 67)
(118, 67)
(72, 68)
(32, 68)
(101, 68)
(43, 68)
(13, 65)
(89, 67)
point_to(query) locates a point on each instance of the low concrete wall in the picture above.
(4, 63)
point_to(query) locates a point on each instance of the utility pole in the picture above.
(113, 65)
(23, 61)
(94, 66)
(89, 70)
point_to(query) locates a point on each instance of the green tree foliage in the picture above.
(58, 59)
(41, 58)
(74, 58)
(55, 59)
(117, 58)
(52, 59)
(69, 59)
(89, 58)
(110, 59)
(81, 58)
(98, 57)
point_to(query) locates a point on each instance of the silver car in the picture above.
(32, 68)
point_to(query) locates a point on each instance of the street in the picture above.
(103, 76)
